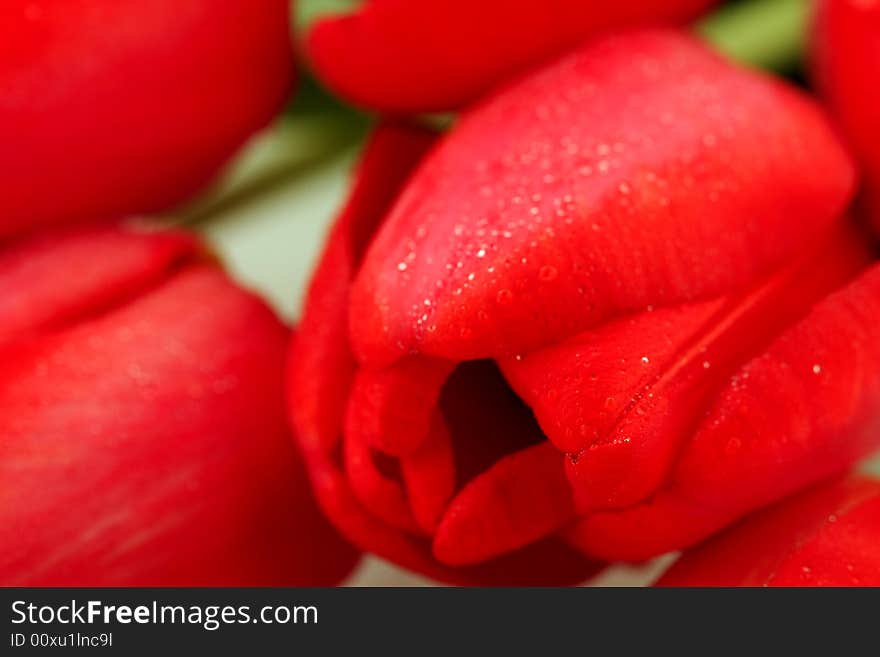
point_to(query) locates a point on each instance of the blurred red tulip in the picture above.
(826, 536)
(435, 55)
(846, 54)
(142, 428)
(117, 107)
(648, 243)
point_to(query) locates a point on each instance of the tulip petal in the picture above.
(147, 445)
(624, 399)
(376, 480)
(846, 58)
(321, 371)
(430, 475)
(100, 268)
(523, 497)
(114, 108)
(392, 408)
(800, 412)
(647, 172)
(547, 562)
(842, 553)
(825, 536)
(321, 364)
(435, 55)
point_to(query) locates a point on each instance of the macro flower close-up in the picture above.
(383, 293)
(520, 375)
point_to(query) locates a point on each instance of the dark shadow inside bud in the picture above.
(388, 466)
(485, 418)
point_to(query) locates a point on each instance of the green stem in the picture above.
(767, 34)
(307, 11)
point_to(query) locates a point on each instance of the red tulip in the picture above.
(847, 63)
(143, 430)
(826, 536)
(348, 476)
(645, 241)
(433, 55)
(116, 107)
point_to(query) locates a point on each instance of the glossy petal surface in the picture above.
(630, 173)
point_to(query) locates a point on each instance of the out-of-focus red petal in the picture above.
(118, 107)
(146, 444)
(59, 277)
(826, 536)
(799, 412)
(434, 55)
(640, 170)
(846, 58)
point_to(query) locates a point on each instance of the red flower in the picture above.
(116, 107)
(359, 488)
(646, 242)
(142, 423)
(847, 63)
(826, 536)
(433, 55)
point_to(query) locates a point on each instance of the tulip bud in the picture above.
(435, 55)
(825, 536)
(142, 423)
(118, 107)
(614, 288)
